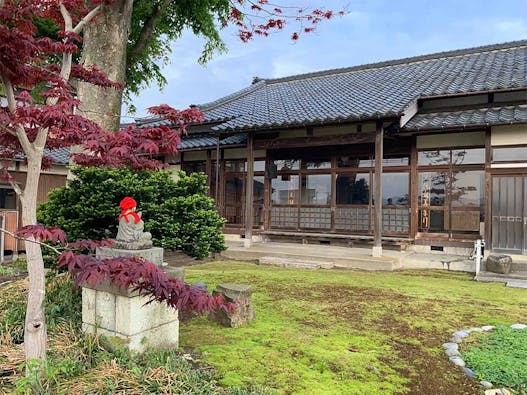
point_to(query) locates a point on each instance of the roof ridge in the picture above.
(395, 62)
(225, 99)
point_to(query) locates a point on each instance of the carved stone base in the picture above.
(154, 254)
(133, 245)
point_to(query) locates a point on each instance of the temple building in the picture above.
(427, 152)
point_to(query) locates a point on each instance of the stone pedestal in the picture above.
(240, 295)
(154, 254)
(499, 264)
(123, 316)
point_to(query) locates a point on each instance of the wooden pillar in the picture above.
(377, 216)
(249, 186)
(217, 175)
(414, 190)
(208, 169)
(488, 191)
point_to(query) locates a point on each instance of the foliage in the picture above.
(35, 74)
(500, 357)
(80, 363)
(177, 213)
(63, 301)
(156, 24)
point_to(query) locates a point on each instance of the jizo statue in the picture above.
(131, 234)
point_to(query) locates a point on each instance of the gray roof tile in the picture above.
(375, 90)
(464, 118)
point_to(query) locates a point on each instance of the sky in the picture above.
(370, 31)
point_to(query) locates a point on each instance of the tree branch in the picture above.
(11, 105)
(17, 189)
(56, 250)
(77, 29)
(147, 32)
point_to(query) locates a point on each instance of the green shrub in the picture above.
(179, 214)
(500, 357)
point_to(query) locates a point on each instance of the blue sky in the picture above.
(373, 30)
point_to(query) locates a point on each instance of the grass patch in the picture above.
(316, 332)
(348, 332)
(500, 357)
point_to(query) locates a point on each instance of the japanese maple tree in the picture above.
(37, 113)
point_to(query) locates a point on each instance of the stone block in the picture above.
(105, 310)
(154, 254)
(499, 264)
(240, 296)
(175, 272)
(120, 313)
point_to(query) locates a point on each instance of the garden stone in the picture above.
(475, 330)
(486, 384)
(498, 391)
(451, 352)
(499, 264)
(487, 328)
(200, 285)
(456, 339)
(240, 296)
(461, 334)
(457, 361)
(454, 346)
(469, 372)
(518, 326)
(174, 272)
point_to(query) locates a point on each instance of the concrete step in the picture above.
(517, 284)
(339, 261)
(501, 278)
(295, 263)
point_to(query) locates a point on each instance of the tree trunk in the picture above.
(104, 45)
(35, 335)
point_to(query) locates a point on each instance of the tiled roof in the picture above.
(464, 118)
(196, 142)
(369, 91)
(59, 156)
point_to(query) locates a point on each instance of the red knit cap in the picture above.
(127, 203)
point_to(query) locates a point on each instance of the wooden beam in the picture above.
(377, 216)
(316, 141)
(249, 186)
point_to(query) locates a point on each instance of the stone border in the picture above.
(453, 354)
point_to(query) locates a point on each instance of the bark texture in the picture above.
(35, 334)
(104, 45)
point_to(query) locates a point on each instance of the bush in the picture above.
(179, 214)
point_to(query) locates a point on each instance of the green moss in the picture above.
(343, 331)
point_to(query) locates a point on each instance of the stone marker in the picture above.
(119, 313)
(499, 264)
(240, 295)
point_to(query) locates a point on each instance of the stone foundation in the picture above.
(122, 315)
